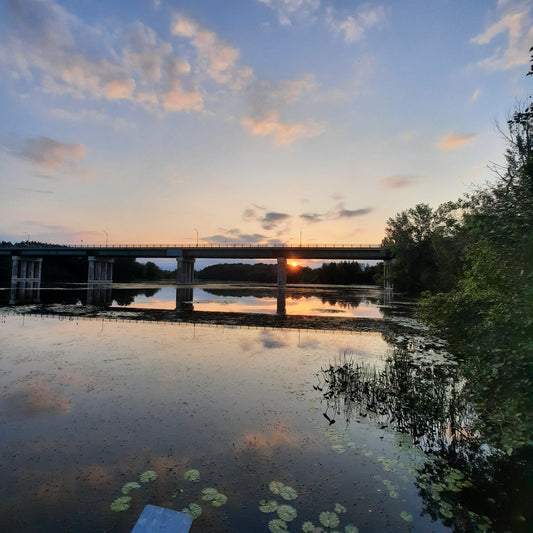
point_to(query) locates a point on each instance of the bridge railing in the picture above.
(217, 245)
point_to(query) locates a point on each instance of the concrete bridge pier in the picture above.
(26, 269)
(184, 300)
(387, 284)
(99, 293)
(100, 270)
(282, 284)
(185, 270)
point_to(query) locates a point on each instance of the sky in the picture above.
(248, 121)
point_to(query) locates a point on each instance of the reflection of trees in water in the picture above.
(424, 401)
(345, 299)
(126, 297)
(465, 482)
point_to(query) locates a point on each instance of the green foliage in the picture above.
(121, 504)
(268, 506)
(128, 487)
(149, 475)
(194, 510)
(329, 519)
(192, 475)
(287, 513)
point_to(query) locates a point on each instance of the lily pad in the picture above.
(209, 494)
(350, 528)
(406, 516)
(149, 475)
(277, 526)
(308, 527)
(192, 475)
(288, 493)
(328, 519)
(340, 508)
(268, 506)
(287, 513)
(130, 486)
(193, 510)
(276, 486)
(121, 504)
(219, 500)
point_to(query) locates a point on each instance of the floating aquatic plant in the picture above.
(219, 500)
(268, 506)
(350, 528)
(216, 498)
(149, 475)
(209, 494)
(308, 527)
(329, 519)
(193, 510)
(406, 516)
(339, 509)
(276, 486)
(192, 475)
(287, 513)
(277, 526)
(121, 504)
(130, 486)
(288, 493)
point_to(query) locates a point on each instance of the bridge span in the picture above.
(27, 258)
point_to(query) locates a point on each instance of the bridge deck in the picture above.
(253, 251)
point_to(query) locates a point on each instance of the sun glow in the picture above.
(294, 264)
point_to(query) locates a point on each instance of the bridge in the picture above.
(27, 258)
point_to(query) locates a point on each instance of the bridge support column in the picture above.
(185, 270)
(387, 284)
(282, 272)
(27, 269)
(100, 270)
(184, 300)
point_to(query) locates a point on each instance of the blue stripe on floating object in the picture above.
(155, 519)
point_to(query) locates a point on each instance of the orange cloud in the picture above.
(453, 140)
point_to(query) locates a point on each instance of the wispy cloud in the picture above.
(513, 17)
(398, 181)
(283, 134)
(455, 140)
(289, 11)
(218, 58)
(269, 220)
(45, 43)
(354, 27)
(235, 236)
(47, 153)
(336, 213)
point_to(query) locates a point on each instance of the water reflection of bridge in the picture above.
(99, 300)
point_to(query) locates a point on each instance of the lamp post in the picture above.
(300, 236)
(28, 236)
(196, 237)
(106, 237)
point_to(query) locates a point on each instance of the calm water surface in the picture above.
(360, 424)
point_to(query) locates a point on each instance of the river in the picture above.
(340, 413)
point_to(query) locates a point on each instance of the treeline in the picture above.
(343, 273)
(471, 261)
(75, 269)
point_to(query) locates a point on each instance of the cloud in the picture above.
(218, 58)
(351, 213)
(48, 153)
(51, 48)
(398, 181)
(354, 28)
(312, 218)
(454, 140)
(289, 10)
(268, 219)
(283, 134)
(514, 19)
(235, 236)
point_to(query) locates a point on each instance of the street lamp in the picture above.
(300, 236)
(106, 236)
(196, 237)
(28, 236)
